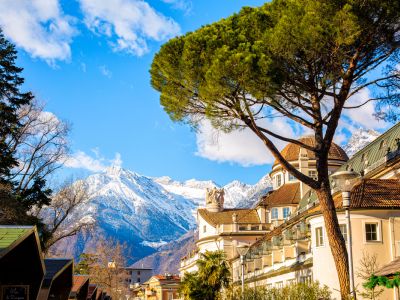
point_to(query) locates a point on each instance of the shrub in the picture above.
(300, 291)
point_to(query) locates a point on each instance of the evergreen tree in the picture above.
(11, 99)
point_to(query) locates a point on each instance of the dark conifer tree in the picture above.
(11, 99)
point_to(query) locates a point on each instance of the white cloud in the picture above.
(105, 71)
(363, 116)
(241, 146)
(95, 163)
(184, 5)
(128, 23)
(39, 27)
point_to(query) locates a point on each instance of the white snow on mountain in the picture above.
(359, 139)
(147, 212)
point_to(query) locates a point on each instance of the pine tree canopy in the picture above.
(292, 58)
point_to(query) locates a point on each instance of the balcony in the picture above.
(190, 259)
(229, 228)
(277, 257)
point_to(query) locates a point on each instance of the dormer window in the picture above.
(278, 180)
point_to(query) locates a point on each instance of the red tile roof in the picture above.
(243, 216)
(374, 193)
(287, 194)
(291, 151)
(163, 277)
(79, 281)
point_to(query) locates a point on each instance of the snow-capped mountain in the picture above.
(359, 139)
(146, 212)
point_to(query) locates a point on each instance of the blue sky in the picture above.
(88, 60)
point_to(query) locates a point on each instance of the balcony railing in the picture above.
(189, 260)
(276, 258)
(222, 228)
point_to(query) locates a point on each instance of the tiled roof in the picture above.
(374, 193)
(163, 277)
(287, 194)
(53, 269)
(79, 281)
(390, 269)
(375, 151)
(291, 151)
(244, 216)
(13, 234)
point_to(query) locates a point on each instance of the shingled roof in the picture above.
(244, 216)
(291, 151)
(54, 267)
(374, 193)
(287, 194)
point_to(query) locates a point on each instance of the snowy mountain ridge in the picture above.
(359, 139)
(148, 212)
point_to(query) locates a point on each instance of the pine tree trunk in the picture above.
(335, 238)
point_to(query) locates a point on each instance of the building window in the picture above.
(138, 272)
(278, 180)
(274, 213)
(343, 230)
(279, 284)
(371, 232)
(313, 174)
(138, 280)
(319, 237)
(286, 212)
(254, 227)
(204, 228)
(291, 177)
(242, 228)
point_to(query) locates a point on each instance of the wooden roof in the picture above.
(244, 216)
(390, 269)
(291, 151)
(54, 267)
(92, 292)
(287, 194)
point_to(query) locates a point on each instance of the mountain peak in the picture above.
(359, 139)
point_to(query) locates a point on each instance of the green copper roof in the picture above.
(376, 153)
(12, 234)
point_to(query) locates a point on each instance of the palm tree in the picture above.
(214, 270)
(205, 284)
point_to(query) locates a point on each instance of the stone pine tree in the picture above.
(297, 59)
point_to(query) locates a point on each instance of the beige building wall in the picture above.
(385, 249)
